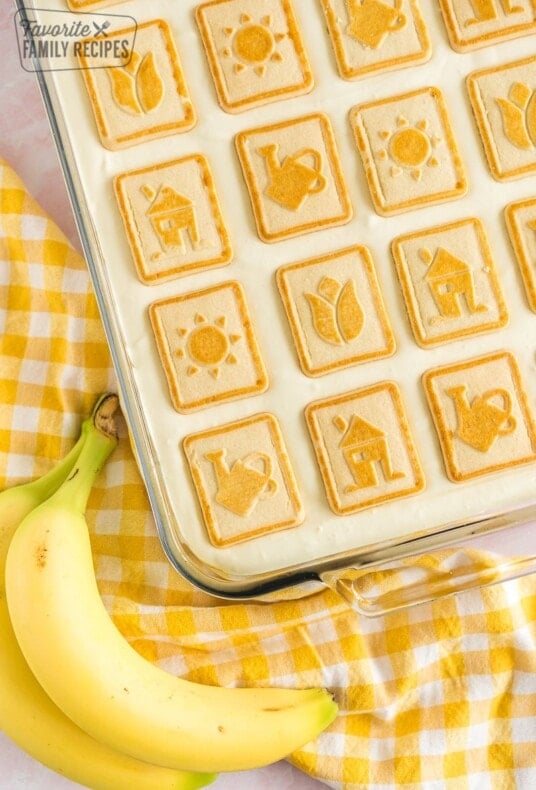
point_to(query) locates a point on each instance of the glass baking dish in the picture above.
(495, 513)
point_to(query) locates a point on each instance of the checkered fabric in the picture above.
(439, 696)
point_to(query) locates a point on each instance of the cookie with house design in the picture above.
(172, 219)
(336, 311)
(364, 448)
(449, 282)
(147, 97)
(376, 35)
(472, 24)
(208, 347)
(409, 152)
(255, 52)
(294, 177)
(521, 223)
(503, 99)
(482, 415)
(244, 480)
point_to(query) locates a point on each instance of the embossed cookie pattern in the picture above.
(255, 52)
(408, 149)
(376, 35)
(173, 219)
(147, 97)
(294, 177)
(521, 223)
(504, 105)
(244, 480)
(208, 347)
(482, 416)
(449, 282)
(364, 448)
(336, 311)
(472, 24)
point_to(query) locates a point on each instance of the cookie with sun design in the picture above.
(294, 177)
(244, 480)
(503, 99)
(409, 151)
(146, 98)
(255, 52)
(208, 347)
(521, 223)
(481, 23)
(376, 36)
(482, 415)
(172, 219)
(449, 282)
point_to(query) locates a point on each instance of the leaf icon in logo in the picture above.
(137, 87)
(336, 312)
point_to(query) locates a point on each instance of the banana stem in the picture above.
(99, 441)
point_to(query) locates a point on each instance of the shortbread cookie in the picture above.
(172, 219)
(521, 223)
(243, 479)
(472, 24)
(376, 35)
(147, 97)
(449, 282)
(208, 347)
(482, 415)
(336, 311)
(409, 153)
(294, 176)
(504, 104)
(89, 5)
(364, 448)
(255, 52)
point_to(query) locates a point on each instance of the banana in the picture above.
(106, 687)
(27, 715)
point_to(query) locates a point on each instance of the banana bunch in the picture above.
(76, 695)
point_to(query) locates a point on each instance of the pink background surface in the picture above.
(26, 143)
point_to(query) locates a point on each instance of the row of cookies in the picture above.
(149, 97)
(363, 446)
(336, 311)
(258, 47)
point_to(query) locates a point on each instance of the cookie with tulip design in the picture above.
(147, 97)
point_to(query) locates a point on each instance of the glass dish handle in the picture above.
(480, 560)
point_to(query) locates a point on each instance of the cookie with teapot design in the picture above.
(244, 480)
(482, 415)
(294, 177)
(374, 36)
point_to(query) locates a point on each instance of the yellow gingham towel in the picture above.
(440, 696)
